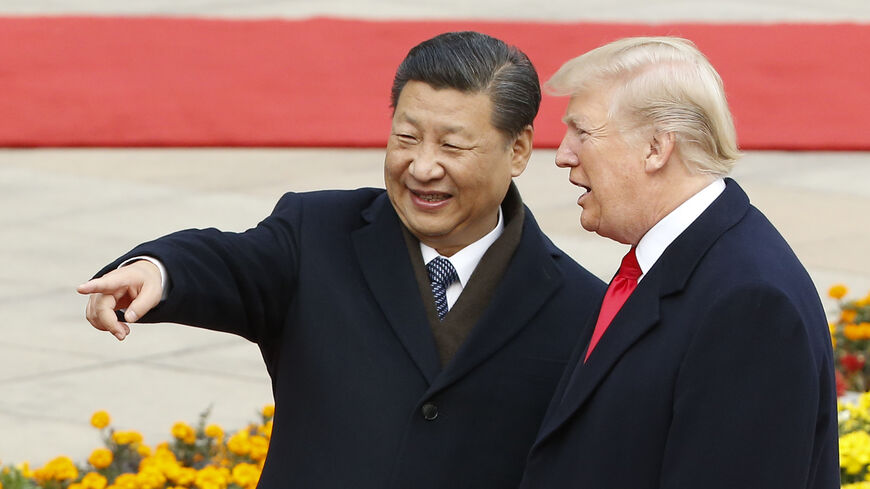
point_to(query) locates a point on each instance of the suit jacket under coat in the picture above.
(325, 287)
(716, 373)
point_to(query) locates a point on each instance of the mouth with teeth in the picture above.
(430, 198)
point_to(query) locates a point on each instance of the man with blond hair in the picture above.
(709, 363)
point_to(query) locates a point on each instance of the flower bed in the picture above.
(200, 457)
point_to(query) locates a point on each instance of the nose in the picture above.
(565, 157)
(426, 165)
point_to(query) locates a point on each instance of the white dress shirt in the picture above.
(657, 239)
(465, 260)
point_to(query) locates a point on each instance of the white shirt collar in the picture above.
(657, 239)
(466, 259)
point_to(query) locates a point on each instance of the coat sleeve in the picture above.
(747, 399)
(234, 282)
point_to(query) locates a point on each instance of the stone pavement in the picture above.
(66, 212)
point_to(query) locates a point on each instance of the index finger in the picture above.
(107, 284)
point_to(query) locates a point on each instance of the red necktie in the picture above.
(617, 293)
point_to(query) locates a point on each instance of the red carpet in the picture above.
(325, 82)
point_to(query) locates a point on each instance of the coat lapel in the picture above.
(386, 265)
(641, 311)
(529, 281)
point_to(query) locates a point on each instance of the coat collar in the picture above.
(386, 265)
(529, 281)
(669, 275)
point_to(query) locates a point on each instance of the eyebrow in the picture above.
(447, 129)
(570, 120)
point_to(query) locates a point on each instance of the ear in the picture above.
(521, 151)
(659, 152)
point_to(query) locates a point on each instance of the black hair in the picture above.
(474, 62)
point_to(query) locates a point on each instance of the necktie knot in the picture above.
(441, 275)
(630, 268)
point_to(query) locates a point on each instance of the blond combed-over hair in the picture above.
(665, 83)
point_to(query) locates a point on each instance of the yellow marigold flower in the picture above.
(101, 458)
(184, 432)
(24, 468)
(864, 328)
(266, 429)
(150, 478)
(834, 342)
(93, 480)
(59, 469)
(838, 291)
(127, 437)
(259, 447)
(100, 419)
(215, 432)
(240, 443)
(212, 477)
(268, 410)
(126, 481)
(246, 475)
(144, 450)
(71, 486)
(185, 477)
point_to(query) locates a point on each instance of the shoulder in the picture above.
(329, 199)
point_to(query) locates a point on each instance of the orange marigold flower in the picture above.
(848, 315)
(101, 458)
(853, 332)
(100, 419)
(268, 410)
(838, 291)
(864, 328)
(184, 432)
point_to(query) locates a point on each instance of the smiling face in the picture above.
(609, 166)
(447, 168)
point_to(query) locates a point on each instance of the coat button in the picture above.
(430, 411)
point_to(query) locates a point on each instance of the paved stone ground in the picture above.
(65, 213)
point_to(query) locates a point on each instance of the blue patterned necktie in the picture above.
(441, 275)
